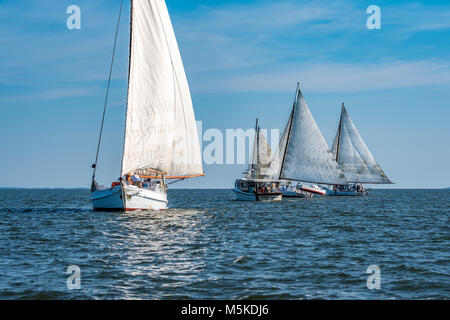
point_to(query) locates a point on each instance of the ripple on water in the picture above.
(214, 247)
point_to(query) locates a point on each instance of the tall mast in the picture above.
(291, 118)
(252, 164)
(339, 133)
(128, 85)
(257, 144)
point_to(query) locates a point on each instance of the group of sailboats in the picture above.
(161, 141)
(304, 159)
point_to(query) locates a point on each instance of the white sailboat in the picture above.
(289, 189)
(161, 140)
(355, 160)
(257, 185)
(303, 154)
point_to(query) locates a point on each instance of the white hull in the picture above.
(322, 191)
(144, 199)
(315, 190)
(135, 199)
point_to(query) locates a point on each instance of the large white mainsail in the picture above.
(307, 157)
(161, 132)
(352, 155)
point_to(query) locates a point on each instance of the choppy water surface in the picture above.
(217, 248)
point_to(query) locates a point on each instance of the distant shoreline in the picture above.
(41, 188)
(84, 189)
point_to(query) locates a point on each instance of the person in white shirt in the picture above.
(136, 180)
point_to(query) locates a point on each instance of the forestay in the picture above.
(161, 132)
(353, 157)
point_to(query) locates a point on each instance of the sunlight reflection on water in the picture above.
(223, 249)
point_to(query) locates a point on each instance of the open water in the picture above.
(211, 247)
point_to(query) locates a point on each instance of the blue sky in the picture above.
(243, 59)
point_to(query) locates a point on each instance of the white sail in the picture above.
(274, 171)
(261, 155)
(353, 157)
(308, 157)
(264, 156)
(253, 161)
(161, 132)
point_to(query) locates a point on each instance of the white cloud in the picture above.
(52, 94)
(416, 17)
(267, 16)
(237, 36)
(257, 46)
(269, 46)
(37, 48)
(333, 77)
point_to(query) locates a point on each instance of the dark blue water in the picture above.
(216, 248)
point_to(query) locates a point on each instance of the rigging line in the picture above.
(258, 165)
(179, 180)
(107, 92)
(254, 155)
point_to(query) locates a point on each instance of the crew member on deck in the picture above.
(136, 180)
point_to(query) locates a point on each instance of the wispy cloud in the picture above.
(417, 17)
(52, 94)
(263, 45)
(333, 77)
(269, 16)
(267, 46)
(38, 49)
(246, 35)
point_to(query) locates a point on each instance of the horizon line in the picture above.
(85, 188)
